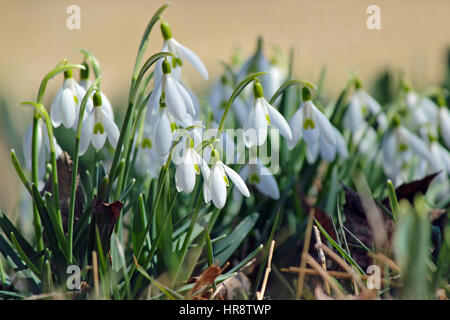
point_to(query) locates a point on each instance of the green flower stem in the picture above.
(48, 123)
(73, 187)
(241, 86)
(188, 235)
(20, 172)
(60, 67)
(393, 200)
(129, 113)
(289, 83)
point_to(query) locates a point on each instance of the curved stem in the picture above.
(241, 86)
(289, 83)
(73, 187)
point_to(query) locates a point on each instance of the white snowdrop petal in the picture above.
(250, 137)
(106, 104)
(295, 124)
(68, 108)
(268, 184)
(111, 129)
(217, 187)
(277, 120)
(55, 109)
(237, 180)
(327, 150)
(444, 123)
(353, 118)
(27, 143)
(186, 98)
(312, 152)
(174, 101)
(416, 144)
(86, 133)
(341, 145)
(162, 134)
(193, 59)
(326, 129)
(98, 140)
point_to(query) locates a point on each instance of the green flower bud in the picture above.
(166, 66)
(68, 74)
(396, 121)
(166, 31)
(146, 143)
(97, 99)
(306, 94)
(215, 155)
(258, 89)
(358, 84)
(84, 73)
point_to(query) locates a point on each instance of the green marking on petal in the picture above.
(226, 180)
(196, 168)
(254, 179)
(268, 118)
(402, 147)
(308, 123)
(173, 126)
(146, 143)
(76, 99)
(99, 129)
(364, 110)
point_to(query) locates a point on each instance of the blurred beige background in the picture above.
(33, 34)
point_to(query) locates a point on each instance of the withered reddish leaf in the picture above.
(106, 216)
(325, 221)
(409, 190)
(205, 280)
(65, 165)
(356, 222)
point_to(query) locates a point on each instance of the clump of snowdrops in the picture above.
(185, 184)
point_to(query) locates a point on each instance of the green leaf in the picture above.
(226, 247)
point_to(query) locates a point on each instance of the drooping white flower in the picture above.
(65, 105)
(220, 94)
(439, 160)
(216, 187)
(148, 160)
(190, 165)
(308, 122)
(444, 125)
(259, 176)
(423, 111)
(97, 126)
(42, 147)
(362, 104)
(260, 117)
(86, 83)
(399, 145)
(326, 149)
(180, 53)
(176, 97)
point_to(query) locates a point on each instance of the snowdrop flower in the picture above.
(180, 53)
(327, 150)
(423, 110)
(86, 83)
(308, 122)
(220, 94)
(65, 105)
(444, 124)
(162, 126)
(148, 160)
(361, 103)
(189, 167)
(440, 160)
(216, 187)
(259, 176)
(398, 147)
(260, 117)
(96, 126)
(177, 99)
(256, 63)
(42, 147)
